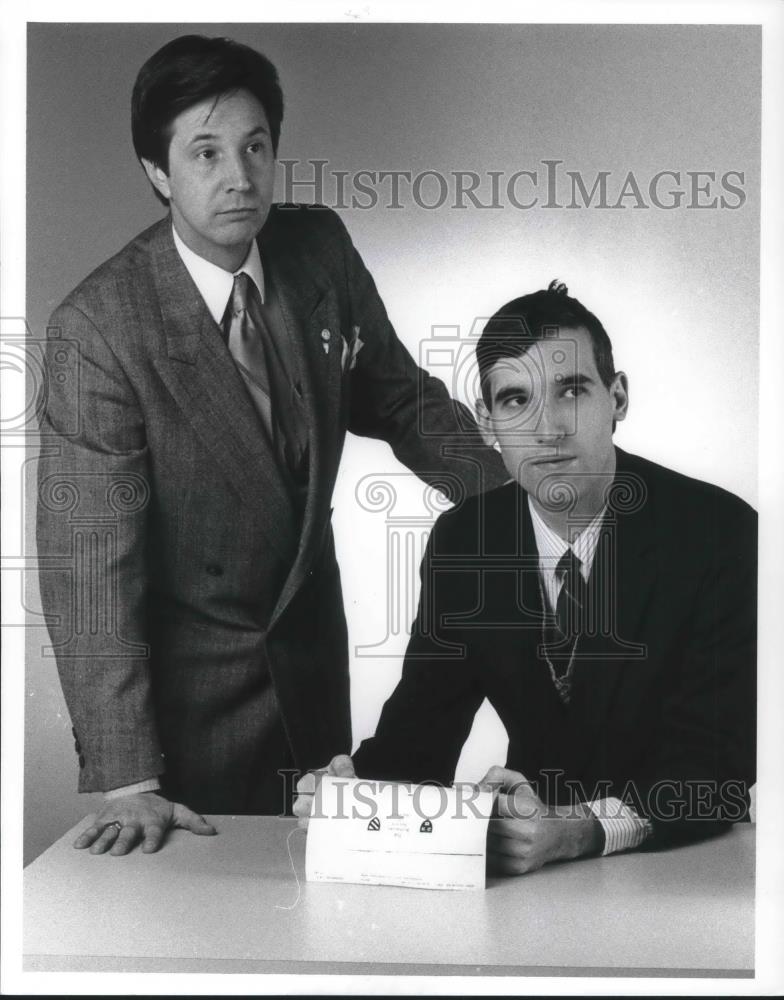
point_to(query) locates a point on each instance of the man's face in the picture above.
(553, 417)
(220, 177)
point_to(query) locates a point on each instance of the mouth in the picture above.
(239, 213)
(554, 462)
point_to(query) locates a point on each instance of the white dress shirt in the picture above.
(623, 827)
(213, 282)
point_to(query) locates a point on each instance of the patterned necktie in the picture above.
(279, 404)
(245, 341)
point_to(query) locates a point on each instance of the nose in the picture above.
(553, 424)
(237, 176)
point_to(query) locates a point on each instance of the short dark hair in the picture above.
(191, 69)
(519, 324)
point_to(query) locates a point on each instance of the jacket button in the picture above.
(81, 760)
(214, 569)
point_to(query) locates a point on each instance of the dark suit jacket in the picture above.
(663, 706)
(181, 585)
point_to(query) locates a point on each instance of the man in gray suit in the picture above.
(202, 382)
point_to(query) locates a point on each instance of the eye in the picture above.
(256, 147)
(574, 391)
(516, 402)
(206, 154)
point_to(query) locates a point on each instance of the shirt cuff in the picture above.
(623, 828)
(148, 785)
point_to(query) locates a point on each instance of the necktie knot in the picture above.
(569, 567)
(240, 292)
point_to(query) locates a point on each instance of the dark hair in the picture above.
(535, 317)
(191, 69)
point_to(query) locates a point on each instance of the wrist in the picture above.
(592, 838)
(584, 837)
(146, 785)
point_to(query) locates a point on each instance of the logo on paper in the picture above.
(374, 824)
(426, 827)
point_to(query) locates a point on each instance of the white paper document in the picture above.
(384, 833)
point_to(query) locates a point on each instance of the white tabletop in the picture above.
(231, 903)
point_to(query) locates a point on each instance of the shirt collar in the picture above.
(551, 546)
(215, 284)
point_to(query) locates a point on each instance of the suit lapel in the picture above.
(202, 377)
(508, 620)
(503, 552)
(552, 735)
(310, 312)
(549, 728)
(624, 572)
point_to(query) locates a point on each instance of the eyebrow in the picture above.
(570, 381)
(508, 391)
(206, 136)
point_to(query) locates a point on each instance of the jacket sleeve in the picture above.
(429, 715)
(93, 500)
(395, 400)
(697, 778)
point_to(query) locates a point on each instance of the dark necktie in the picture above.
(570, 613)
(572, 599)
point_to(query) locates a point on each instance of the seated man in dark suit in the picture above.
(605, 605)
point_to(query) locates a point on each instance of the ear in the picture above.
(485, 422)
(157, 178)
(619, 393)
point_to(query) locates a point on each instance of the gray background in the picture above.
(677, 290)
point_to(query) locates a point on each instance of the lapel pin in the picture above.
(325, 337)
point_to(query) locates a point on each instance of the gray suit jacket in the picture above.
(181, 585)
